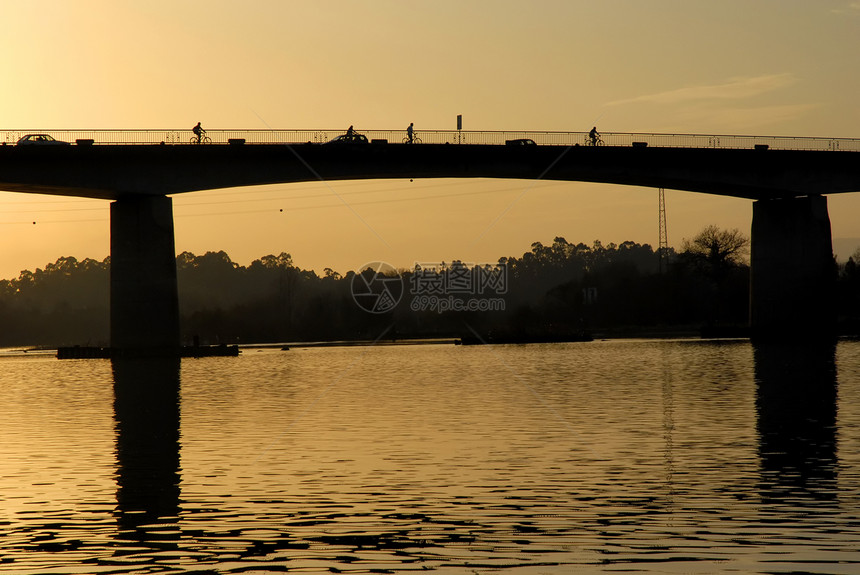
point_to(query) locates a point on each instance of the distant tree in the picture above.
(717, 249)
(850, 268)
(717, 259)
(848, 293)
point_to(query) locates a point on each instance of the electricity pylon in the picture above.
(663, 246)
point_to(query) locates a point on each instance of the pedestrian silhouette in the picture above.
(409, 132)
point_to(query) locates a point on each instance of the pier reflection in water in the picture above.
(796, 402)
(642, 456)
(146, 410)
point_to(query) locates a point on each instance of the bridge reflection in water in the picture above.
(796, 404)
(286, 514)
(146, 411)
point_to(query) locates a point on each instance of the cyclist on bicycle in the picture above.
(410, 133)
(594, 136)
(198, 131)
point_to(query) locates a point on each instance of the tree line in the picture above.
(559, 289)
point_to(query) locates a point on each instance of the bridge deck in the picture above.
(111, 172)
(172, 136)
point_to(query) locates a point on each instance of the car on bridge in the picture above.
(520, 142)
(350, 139)
(39, 140)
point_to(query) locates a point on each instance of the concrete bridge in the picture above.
(792, 269)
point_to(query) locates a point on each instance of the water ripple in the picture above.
(641, 456)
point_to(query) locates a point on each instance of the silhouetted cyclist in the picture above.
(198, 131)
(594, 136)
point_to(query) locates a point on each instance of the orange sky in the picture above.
(770, 67)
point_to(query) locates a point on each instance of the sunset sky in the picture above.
(762, 67)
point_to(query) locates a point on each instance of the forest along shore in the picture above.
(552, 292)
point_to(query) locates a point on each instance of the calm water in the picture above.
(608, 456)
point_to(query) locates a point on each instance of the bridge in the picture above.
(792, 271)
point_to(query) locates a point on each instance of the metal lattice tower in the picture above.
(663, 247)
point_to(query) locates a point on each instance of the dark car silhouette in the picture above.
(350, 139)
(520, 142)
(39, 140)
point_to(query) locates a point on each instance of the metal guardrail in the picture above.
(144, 137)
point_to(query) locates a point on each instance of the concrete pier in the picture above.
(144, 310)
(792, 271)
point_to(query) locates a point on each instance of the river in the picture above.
(663, 456)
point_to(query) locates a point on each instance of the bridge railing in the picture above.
(167, 136)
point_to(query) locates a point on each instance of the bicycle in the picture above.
(201, 139)
(589, 141)
(415, 140)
